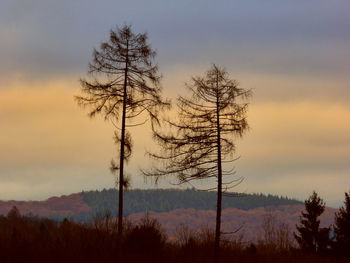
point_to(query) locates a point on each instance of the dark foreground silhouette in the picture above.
(32, 239)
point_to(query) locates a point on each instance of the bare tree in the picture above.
(123, 85)
(276, 233)
(201, 141)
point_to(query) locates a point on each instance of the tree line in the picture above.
(164, 200)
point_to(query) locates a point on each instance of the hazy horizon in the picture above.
(294, 55)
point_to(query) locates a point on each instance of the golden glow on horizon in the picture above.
(42, 126)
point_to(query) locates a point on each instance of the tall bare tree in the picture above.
(124, 84)
(202, 139)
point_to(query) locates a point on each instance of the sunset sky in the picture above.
(294, 55)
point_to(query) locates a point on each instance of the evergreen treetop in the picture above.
(342, 227)
(311, 237)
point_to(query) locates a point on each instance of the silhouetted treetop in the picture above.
(126, 58)
(189, 149)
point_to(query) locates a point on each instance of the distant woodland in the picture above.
(164, 200)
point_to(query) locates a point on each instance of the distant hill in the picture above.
(66, 205)
(83, 206)
(164, 200)
(195, 209)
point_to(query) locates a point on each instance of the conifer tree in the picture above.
(311, 237)
(342, 227)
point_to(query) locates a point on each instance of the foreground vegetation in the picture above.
(28, 239)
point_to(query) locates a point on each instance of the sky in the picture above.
(294, 55)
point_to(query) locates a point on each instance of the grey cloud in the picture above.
(283, 37)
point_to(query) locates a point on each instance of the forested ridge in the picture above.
(86, 205)
(164, 200)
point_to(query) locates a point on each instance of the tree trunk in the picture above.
(219, 190)
(122, 146)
